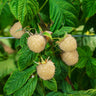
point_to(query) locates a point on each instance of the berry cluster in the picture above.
(37, 43)
(70, 54)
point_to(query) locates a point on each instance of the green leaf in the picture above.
(28, 88)
(44, 13)
(91, 67)
(23, 40)
(90, 92)
(62, 12)
(76, 94)
(63, 31)
(90, 41)
(87, 50)
(40, 89)
(2, 3)
(55, 94)
(61, 68)
(24, 10)
(82, 62)
(84, 55)
(6, 15)
(84, 51)
(50, 84)
(89, 7)
(90, 24)
(17, 43)
(76, 4)
(93, 83)
(81, 52)
(17, 80)
(26, 58)
(66, 87)
(1, 49)
(47, 34)
(6, 67)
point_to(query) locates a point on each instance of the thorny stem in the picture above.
(69, 77)
(42, 24)
(69, 82)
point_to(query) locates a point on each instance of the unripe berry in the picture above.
(70, 58)
(68, 44)
(46, 71)
(36, 43)
(14, 31)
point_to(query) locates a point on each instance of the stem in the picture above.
(69, 82)
(73, 69)
(43, 5)
(55, 38)
(82, 38)
(42, 24)
(69, 72)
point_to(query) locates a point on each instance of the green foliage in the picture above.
(26, 58)
(28, 88)
(24, 10)
(47, 34)
(66, 87)
(86, 60)
(6, 67)
(91, 67)
(90, 24)
(90, 41)
(40, 89)
(82, 62)
(61, 68)
(6, 17)
(62, 31)
(89, 7)
(18, 79)
(2, 3)
(62, 13)
(90, 92)
(17, 43)
(84, 54)
(23, 40)
(54, 94)
(50, 84)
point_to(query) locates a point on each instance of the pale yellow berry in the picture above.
(46, 71)
(16, 30)
(70, 58)
(68, 43)
(36, 43)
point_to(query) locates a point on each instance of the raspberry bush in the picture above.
(53, 50)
